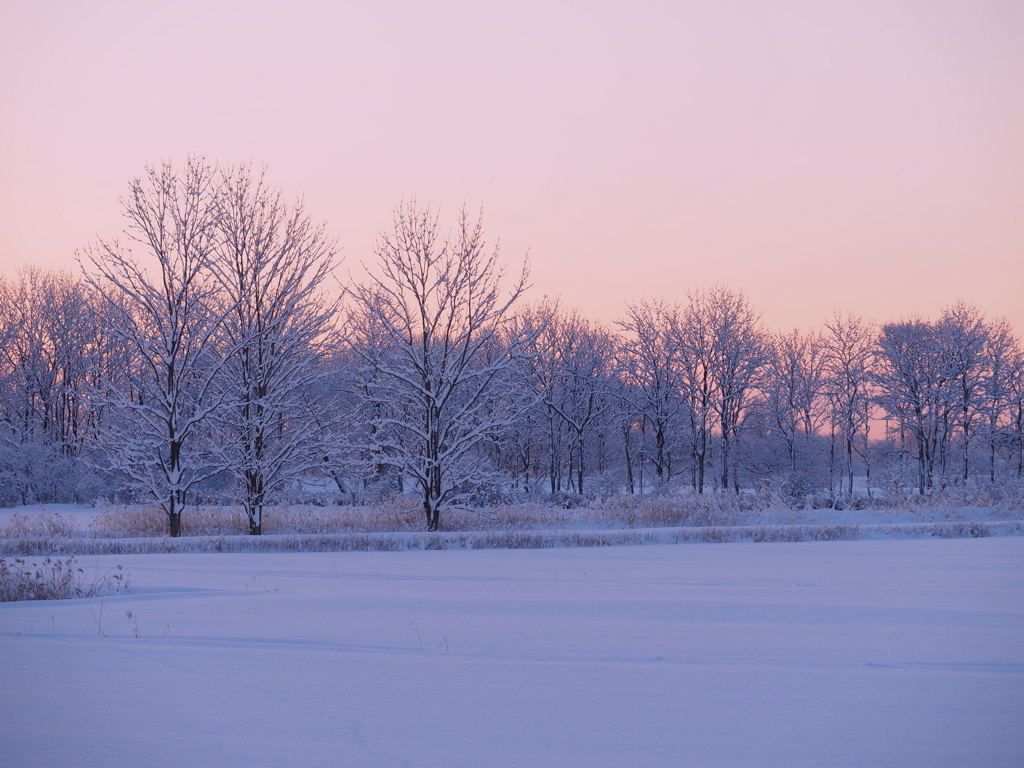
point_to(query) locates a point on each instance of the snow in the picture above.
(84, 514)
(899, 652)
(81, 520)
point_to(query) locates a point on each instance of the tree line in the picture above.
(203, 358)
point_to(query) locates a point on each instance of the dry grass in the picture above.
(45, 523)
(385, 517)
(1007, 495)
(391, 542)
(398, 524)
(55, 579)
(120, 520)
(403, 515)
(672, 511)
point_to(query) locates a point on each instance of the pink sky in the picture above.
(818, 155)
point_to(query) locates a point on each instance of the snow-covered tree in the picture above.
(272, 262)
(166, 306)
(541, 370)
(963, 332)
(439, 302)
(793, 387)
(694, 340)
(1003, 392)
(915, 387)
(849, 358)
(736, 358)
(647, 360)
(580, 391)
(533, 434)
(54, 343)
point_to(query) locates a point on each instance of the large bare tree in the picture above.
(166, 306)
(441, 304)
(272, 263)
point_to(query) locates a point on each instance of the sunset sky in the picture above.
(853, 155)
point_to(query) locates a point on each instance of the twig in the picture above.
(413, 625)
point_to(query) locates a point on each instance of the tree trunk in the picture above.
(552, 455)
(579, 469)
(629, 459)
(659, 440)
(922, 467)
(433, 514)
(429, 512)
(256, 521)
(832, 460)
(725, 460)
(849, 462)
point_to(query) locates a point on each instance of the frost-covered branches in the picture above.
(166, 306)
(648, 364)
(848, 361)
(733, 345)
(202, 356)
(793, 387)
(223, 314)
(272, 262)
(438, 304)
(54, 341)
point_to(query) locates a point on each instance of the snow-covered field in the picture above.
(905, 652)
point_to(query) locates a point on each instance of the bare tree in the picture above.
(272, 263)
(366, 439)
(625, 418)
(1003, 365)
(737, 357)
(440, 302)
(915, 387)
(583, 353)
(647, 363)
(45, 330)
(537, 422)
(167, 308)
(793, 387)
(694, 343)
(543, 368)
(849, 358)
(963, 332)
(51, 343)
(1015, 404)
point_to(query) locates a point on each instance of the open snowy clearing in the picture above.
(846, 653)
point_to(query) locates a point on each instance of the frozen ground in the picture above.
(847, 653)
